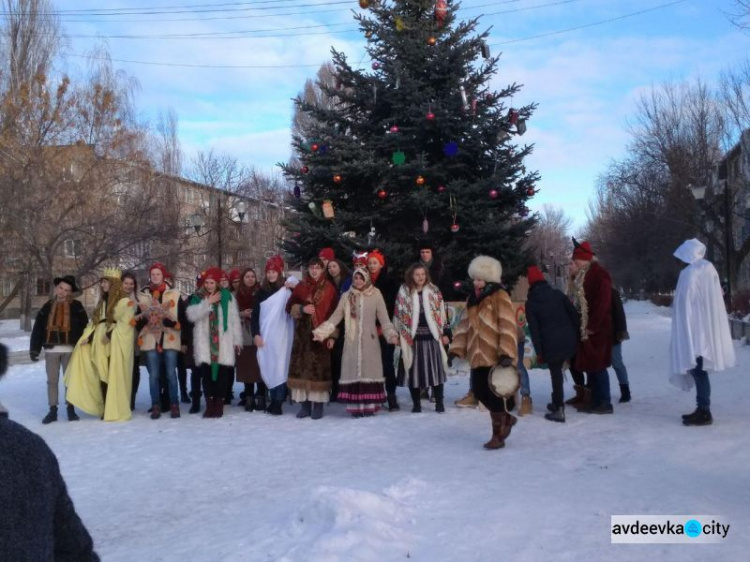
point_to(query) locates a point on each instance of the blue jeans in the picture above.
(618, 365)
(153, 364)
(278, 393)
(600, 379)
(523, 373)
(702, 385)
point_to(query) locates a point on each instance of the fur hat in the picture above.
(486, 268)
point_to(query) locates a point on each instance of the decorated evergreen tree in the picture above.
(416, 145)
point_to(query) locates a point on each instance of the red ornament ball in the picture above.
(493, 193)
(530, 192)
(457, 285)
(375, 65)
(441, 189)
(305, 169)
(382, 193)
(314, 147)
(337, 178)
(430, 116)
(455, 228)
(394, 129)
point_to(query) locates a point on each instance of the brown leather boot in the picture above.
(209, 411)
(578, 397)
(585, 402)
(526, 406)
(496, 442)
(508, 421)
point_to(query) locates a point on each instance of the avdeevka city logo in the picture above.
(693, 528)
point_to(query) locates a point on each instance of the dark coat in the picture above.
(78, 321)
(38, 521)
(553, 322)
(595, 352)
(389, 289)
(619, 322)
(441, 278)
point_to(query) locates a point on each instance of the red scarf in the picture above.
(246, 296)
(157, 289)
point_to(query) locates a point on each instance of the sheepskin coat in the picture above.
(361, 359)
(406, 319)
(198, 314)
(487, 330)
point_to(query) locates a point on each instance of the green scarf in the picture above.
(213, 324)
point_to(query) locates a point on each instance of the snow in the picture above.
(13, 337)
(251, 487)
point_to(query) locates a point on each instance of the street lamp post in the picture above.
(198, 221)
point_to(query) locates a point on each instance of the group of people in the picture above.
(347, 335)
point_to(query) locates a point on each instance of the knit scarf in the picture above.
(213, 324)
(578, 296)
(59, 320)
(354, 303)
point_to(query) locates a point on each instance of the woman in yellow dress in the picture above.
(121, 333)
(88, 371)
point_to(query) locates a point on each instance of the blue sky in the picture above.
(586, 81)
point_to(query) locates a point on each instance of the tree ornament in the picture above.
(375, 65)
(425, 226)
(441, 189)
(441, 10)
(430, 116)
(337, 178)
(493, 194)
(398, 158)
(297, 192)
(305, 170)
(431, 41)
(364, 4)
(512, 116)
(420, 180)
(457, 285)
(473, 106)
(530, 192)
(523, 211)
(398, 20)
(314, 147)
(464, 98)
(521, 126)
(455, 228)
(328, 209)
(314, 208)
(322, 148)
(485, 48)
(382, 193)
(394, 129)
(305, 145)
(450, 148)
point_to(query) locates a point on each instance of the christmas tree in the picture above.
(416, 145)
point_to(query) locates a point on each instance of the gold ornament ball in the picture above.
(420, 180)
(337, 178)
(364, 4)
(431, 41)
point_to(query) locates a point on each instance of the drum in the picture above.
(504, 381)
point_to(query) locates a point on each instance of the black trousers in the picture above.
(386, 355)
(215, 388)
(556, 373)
(480, 383)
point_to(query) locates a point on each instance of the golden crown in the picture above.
(112, 273)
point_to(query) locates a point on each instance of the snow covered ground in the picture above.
(251, 487)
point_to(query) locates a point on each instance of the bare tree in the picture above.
(318, 93)
(166, 152)
(549, 240)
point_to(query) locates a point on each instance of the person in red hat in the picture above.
(553, 323)
(224, 280)
(326, 255)
(217, 338)
(591, 292)
(235, 278)
(161, 348)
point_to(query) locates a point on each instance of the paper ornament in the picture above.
(512, 116)
(441, 10)
(328, 209)
(398, 158)
(425, 225)
(485, 48)
(521, 126)
(297, 191)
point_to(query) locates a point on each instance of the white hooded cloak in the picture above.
(700, 327)
(277, 328)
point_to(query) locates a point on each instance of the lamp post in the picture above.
(198, 221)
(699, 193)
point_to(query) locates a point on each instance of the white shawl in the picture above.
(700, 327)
(277, 330)
(411, 299)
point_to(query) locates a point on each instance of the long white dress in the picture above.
(700, 327)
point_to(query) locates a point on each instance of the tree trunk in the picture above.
(10, 297)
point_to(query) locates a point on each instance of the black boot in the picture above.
(393, 402)
(556, 415)
(624, 393)
(437, 393)
(274, 408)
(195, 406)
(317, 410)
(51, 415)
(304, 410)
(416, 399)
(701, 416)
(72, 416)
(136, 383)
(260, 401)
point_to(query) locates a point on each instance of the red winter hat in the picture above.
(327, 254)
(275, 263)
(359, 259)
(161, 268)
(582, 251)
(213, 273)
(234, 275)
(534, 274)
(378, 256)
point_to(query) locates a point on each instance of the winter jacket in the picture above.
(39, 340)
(594, 350)
(199, 315)
(440, 277)
(38, 522)
(487, 330)
(619, 322)
(170, 338)
(553, 322)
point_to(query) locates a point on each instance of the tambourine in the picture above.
(504, 382)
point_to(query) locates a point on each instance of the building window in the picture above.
(6, 287)
(43, 287)
(72, 248)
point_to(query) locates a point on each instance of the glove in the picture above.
(505, 361)
(34, 355)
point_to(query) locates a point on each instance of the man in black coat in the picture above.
(37, 520)
(554, 325)
(58, 326)
(439, 274)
